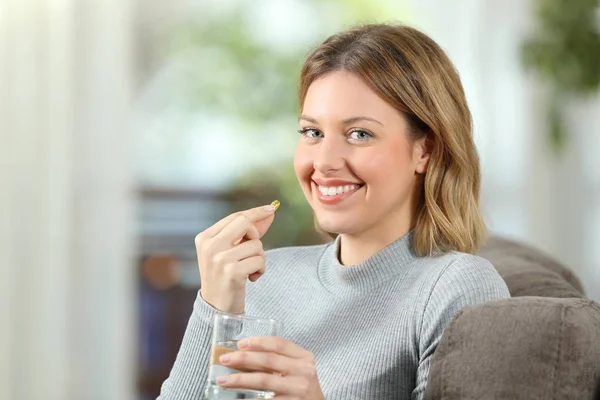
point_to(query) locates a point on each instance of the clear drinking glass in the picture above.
(228, 330)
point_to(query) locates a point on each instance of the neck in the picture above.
(356, 248)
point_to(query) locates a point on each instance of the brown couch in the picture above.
(544, 343)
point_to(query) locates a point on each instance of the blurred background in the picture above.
(129, 126)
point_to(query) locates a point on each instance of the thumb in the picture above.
(263, 225)
(262, 217)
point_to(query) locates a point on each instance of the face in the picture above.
(355, 162)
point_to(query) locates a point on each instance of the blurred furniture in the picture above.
(544, 343)
(167, 274)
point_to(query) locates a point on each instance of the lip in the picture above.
(335, 199)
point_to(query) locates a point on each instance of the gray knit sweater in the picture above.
(372, 327)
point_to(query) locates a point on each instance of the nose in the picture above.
(330, 155)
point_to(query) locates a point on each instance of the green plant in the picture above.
(564, 51)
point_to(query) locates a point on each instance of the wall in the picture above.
(66, 204)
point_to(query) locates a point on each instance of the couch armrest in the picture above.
(519, 348)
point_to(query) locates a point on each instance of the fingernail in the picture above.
(243, 343)
(221, 380)
(269, 208)
(275, 204)
(225, 358)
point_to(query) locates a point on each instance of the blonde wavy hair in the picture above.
(412, 73)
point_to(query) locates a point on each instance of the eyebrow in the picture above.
(346, 121)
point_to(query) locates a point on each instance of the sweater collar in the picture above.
(386, 264)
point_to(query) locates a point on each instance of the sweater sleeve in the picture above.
(467, 280)
(189, 374)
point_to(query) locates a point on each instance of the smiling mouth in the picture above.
(333, 194)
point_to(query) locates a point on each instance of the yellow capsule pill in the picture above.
(276, 204)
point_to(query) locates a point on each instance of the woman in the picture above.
(387, 161)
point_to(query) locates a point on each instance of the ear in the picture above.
(421, 154)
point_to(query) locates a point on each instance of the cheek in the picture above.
(385, 169)
(303, 163)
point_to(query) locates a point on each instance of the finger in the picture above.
(225, 240)
(281, 385)
(274, 344)
(253, 214)
(237, 229)
(262, 227)
(244, 250)
(250, 266)
(254, 277)
(259, 362)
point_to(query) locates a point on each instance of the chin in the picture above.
(337, 227)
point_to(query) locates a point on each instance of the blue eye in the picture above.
(310, 133)
(360, 135)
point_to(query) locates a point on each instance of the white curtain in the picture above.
(528, 192)
(66, 276)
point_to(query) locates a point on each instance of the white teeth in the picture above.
(333, 190)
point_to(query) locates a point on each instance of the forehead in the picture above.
(342, 94)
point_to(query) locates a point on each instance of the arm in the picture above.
(229, 254)
(467, 280)
(187, 379)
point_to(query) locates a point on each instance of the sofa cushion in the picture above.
(519, 348)
(527, 278)
(529, 272)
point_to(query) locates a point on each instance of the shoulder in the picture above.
(455, 265)
(469, 268)
(465, 278)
